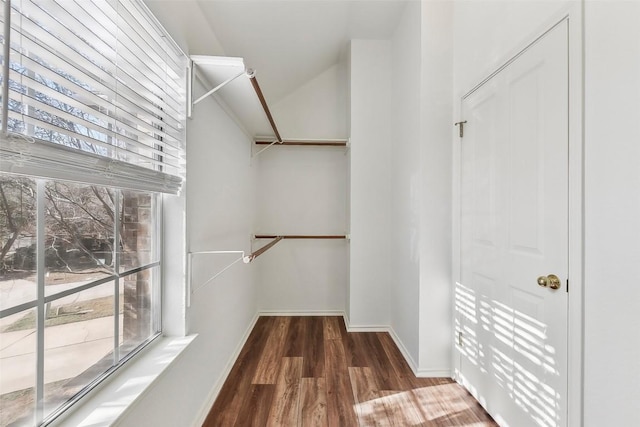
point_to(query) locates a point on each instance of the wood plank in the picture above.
(405, 377)
(349, 345)
(363, 384)
(366, 393)
(284, 407)
(269, 363)
(313, 403)
(230, 399)
(340, 402)
(401, 408)
(255, 409)
(402, 369)
(296, 336)
(450, 405)
(313, 353)
(378, 361)
(354, 349)
(342, 327)
(332, 328)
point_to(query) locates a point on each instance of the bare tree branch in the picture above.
(108, 210)
(105, 205)
(15, 231)
(67, 225)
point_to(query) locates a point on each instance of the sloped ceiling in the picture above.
(288, 42)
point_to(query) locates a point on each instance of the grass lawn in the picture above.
(68, 313)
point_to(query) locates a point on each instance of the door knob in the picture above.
(552, 281)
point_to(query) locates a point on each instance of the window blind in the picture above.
(94, 79)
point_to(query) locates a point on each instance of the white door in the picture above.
(514, 230)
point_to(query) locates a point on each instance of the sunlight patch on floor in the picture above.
(420, 406)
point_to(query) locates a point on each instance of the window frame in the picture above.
(40, 303)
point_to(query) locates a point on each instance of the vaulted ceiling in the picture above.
(288, 42)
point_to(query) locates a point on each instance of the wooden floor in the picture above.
(308, 371)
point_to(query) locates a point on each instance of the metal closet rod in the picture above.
(307, 143)
(266, 247)
(265, 107)
(301, 236)
(251, 73)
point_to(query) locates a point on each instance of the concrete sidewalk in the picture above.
(69, 350)
(18, 291)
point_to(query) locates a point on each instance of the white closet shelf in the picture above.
(306, 142)
(301, 236)
(236, 88)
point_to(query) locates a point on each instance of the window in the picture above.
(92, 135)
(96, 292)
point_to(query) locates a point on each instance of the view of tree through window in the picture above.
(100, 258)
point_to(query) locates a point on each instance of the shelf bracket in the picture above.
(221, 85)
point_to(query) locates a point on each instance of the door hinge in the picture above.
(461, 124)
(459, 338)
(567, 285)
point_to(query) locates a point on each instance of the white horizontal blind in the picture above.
(99, 77)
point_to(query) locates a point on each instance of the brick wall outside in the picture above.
(137, 236)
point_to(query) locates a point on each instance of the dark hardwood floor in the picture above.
(308, 371)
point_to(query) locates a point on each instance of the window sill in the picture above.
(112, 399)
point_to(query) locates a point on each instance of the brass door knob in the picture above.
(552, 281)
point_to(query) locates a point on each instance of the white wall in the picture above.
(370, 181)
(220, 215)
(406, 183)
(612, 214)
(302, 190)
(420, 240)
(316, 110)
(436, 189)
(487, 32)
(186, 23)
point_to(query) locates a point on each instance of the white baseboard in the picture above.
(424, 373)
(403, 350)
(345, 317)
(300, 313)
(363, 328)
(372, 328)
(394, 337)
(420, 373)
(213, 394)
(434, 373)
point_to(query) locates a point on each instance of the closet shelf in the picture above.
(225, 78)
(237, 90)
(302, 236)
(307, 143)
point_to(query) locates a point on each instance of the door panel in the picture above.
(514, 228)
